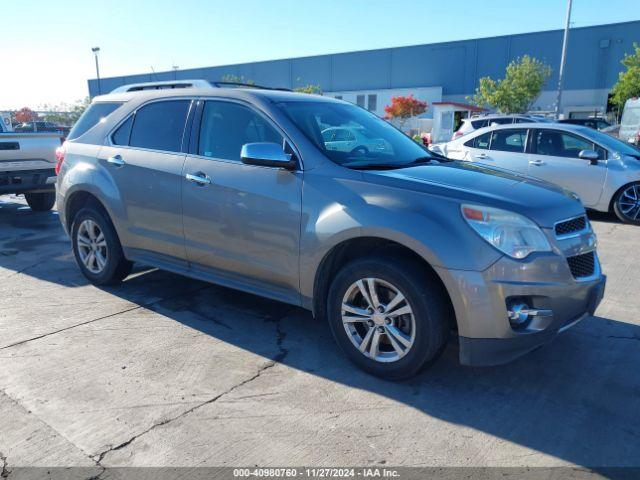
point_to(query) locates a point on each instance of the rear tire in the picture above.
(626, 204)
(97, 248)
(41, 202)
(404, 343)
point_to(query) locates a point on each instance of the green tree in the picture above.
(309, 88)
(521, 85)
(231, 78)
(628, 84)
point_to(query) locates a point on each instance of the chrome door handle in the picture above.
(482, 155)
(199, 178)
(536, 162)
(116, 160)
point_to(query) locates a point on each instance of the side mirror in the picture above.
(590, 155)
(267, 155)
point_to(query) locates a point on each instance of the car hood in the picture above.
(467, 182)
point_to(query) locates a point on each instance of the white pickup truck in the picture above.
(27, 166)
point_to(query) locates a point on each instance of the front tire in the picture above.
(40, 202)
(391, 317)
(626, 204)
(97, 248)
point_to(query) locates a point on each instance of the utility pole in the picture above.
(563, 59)
(95, 51)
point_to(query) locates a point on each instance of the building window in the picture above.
(372, 103)
(360, 100)
(339, 97)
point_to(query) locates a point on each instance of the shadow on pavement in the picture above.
(577, 399)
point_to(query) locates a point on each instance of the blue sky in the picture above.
(46, 46)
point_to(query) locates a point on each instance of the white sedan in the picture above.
(603, 171)
(352, 140)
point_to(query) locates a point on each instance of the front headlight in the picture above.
(511, 233)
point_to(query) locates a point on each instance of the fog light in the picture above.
(520, 313)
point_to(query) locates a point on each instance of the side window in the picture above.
(121, 135)
(501, 121)
(478, 124)
(327, 135)
(509, 140)
(343, 135)
(160, 125)
(227, 126)
(560, 144)
(481, 141)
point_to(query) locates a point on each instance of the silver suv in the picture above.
(477, 122)
(396, 248)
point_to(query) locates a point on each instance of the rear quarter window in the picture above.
(94, 114)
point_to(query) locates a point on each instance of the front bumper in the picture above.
(480, 300)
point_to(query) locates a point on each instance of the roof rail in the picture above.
(137, 87)
(247, 85)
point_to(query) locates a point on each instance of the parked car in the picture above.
(596, 123)
(351, 139)
(474, 123)
(395, 248)
(630, 123)
(603, 171)
(27, 166)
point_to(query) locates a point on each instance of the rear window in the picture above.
(160, 125)
(477, 124)
(95, 113)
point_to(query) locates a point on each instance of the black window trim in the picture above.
(535, 130)
(192, 151)
(183, 144)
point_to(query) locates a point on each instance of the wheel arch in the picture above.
(359, 247)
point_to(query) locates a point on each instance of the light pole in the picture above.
(563, 59)
(175, 71)
(95, 51)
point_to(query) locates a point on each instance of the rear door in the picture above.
(554, 158)
(145, 160)
(503, 148)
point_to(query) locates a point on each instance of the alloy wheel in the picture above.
(629, 202)
(378, 319)
(92, 246)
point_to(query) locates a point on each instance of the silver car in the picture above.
(397, 249)
(603, 171)
(477, 122)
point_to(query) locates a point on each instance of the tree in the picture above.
(25, 114)
(231, 78)
(403, 108)
(628, 84)
(64, 113)
(309, 88)
(521, 85)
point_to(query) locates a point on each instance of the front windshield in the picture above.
(612, 143)
(353, 137)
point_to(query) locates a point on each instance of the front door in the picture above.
(144, 162)
(242, 223)
(554, 157)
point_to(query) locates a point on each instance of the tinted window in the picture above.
(121, 136)
(500, 121)
(227, 126)
(96, 112)
(481, 141)
(479, 123)
(560, 144)
(343, 135)
(509, 140)
(160, 125)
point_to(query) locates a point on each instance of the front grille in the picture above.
(582, 265)
(571, 226)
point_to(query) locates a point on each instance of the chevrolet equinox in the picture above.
(396, 247)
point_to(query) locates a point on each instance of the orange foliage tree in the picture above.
(25, 114)
(403, 108)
